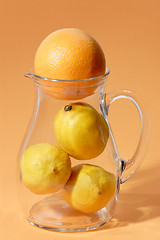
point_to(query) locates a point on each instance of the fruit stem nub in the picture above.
(67, 108)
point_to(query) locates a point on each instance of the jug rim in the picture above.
(30, 74)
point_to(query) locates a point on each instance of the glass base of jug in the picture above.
(56, 215)
(62, 229)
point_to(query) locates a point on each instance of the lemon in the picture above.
(89, 188)
(81, 131)
(45, 168)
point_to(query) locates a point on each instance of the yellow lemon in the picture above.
(45, 168)
(81, 131)
(89, 188)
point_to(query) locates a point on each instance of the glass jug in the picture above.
(51, 210)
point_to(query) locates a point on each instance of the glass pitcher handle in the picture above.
(128, 167)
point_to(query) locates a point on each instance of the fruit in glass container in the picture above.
(81, 131)
(45, 168)
(69, 54)
(89, 188)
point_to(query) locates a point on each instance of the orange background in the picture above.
(129, 33)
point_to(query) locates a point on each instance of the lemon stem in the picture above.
(67, 108)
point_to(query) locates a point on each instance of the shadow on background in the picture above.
(141, 200)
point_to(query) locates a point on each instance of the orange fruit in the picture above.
(69, 54)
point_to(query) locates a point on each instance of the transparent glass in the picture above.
(51, 211)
